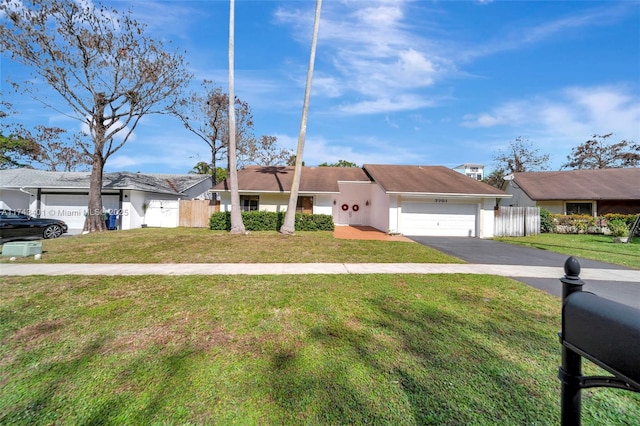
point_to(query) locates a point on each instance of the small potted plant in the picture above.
(619, 230)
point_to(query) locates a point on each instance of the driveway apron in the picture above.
(489, 252)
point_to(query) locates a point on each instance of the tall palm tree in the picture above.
(237, 226)
(288, 227)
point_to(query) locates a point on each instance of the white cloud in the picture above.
(119, 136)
(360, 151)
(383, 105)
(577, 111)
(557, 122)
(373, 54)
(524, 34)
(511, 113)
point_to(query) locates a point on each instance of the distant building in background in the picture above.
(473, 170)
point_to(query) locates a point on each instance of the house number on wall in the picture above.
(440, 200)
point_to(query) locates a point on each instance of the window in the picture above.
(580, 208)
(476, 176)
(249, 202)
(304, 205)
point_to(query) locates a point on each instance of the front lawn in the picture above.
(193, 245)
(313, 349)
(595, 247)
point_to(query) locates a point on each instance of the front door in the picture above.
(350, 212)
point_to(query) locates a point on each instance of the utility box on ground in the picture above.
(22, 248)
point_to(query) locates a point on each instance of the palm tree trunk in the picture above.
(237, 226)
(288, 227)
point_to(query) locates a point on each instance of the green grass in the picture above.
(595, 247)
(313, 349)
(192, 245)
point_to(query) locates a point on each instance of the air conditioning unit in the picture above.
(22, 248)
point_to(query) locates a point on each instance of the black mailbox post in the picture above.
(603, 331)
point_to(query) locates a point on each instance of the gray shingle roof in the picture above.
(599, 184)
(428, 180)
(158, 183)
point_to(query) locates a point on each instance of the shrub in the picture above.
(618, 228)
(573, 224)
(627, 218)
(220, 221)
(546, 222)
(272, 221)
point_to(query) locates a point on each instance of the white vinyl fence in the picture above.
(517, 221)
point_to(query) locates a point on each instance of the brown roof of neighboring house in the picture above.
(598, 184)
(427, 180)
(279, 179)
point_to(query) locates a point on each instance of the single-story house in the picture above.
(65, 195)
(592, 192)
(409, 200)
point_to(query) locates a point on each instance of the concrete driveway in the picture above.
(476, 250)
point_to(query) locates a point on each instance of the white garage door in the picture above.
(431, 219)
(72, 208)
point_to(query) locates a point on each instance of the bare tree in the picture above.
(206, 114)
(237, 226)
(59, 152)
(288, 227)
(100, 63)
(521, 156)
(263, 151)
(598, 153)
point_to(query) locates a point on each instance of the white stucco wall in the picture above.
(199, 191)
(16, 200)
(518, 199)
(380, 203)
(395, 209)
(555, 207)
(486, 218)
(352, 194)
(323, 203)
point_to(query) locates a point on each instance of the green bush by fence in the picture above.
(272, 221)
(546, 222)
(585, 224)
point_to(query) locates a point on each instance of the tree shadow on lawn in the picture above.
(419, 365)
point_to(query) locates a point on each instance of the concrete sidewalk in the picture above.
(14, 269)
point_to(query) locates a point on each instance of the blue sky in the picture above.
(396, 82)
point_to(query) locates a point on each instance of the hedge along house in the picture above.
(409, 200)
(65, 195)
(591, 192)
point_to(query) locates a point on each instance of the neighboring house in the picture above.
(65, 195)
(592, 192)
(473, 170)
(410, 200)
